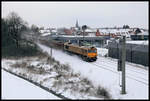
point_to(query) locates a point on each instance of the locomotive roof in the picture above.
(76, 45)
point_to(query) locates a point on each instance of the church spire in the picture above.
(77, 24)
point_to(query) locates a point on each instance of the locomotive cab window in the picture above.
(94, 51)
(91, 51)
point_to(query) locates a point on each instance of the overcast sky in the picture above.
(93, 14)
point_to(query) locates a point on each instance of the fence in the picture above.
(135, 53)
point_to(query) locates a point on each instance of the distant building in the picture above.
(60, 31)
(115, 32)
(68, 31)
(98, 33)
(140, 36)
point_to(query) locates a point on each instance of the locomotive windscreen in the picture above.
(91, 51)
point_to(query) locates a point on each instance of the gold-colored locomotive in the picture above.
(86, 52)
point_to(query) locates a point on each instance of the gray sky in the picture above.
(93, 14)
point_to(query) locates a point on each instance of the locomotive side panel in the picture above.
(89, 54)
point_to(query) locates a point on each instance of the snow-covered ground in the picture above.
(104, 72)
(77, 36)
(139, 42)
(102, 51)
(45, 34)
(14, 87)
(53, 77)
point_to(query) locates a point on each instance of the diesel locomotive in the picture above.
(88, 53)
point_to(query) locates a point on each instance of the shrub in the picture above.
(57, 62)
(33, 69)
(51, 60)
(56, 67)
(77, 75)
(65, 67)
(19, 64)
(102, 92)
(85, 80)
(41, 56)
(57, 83)
(19, 52)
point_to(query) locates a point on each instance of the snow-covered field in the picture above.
(104, 72)
(16, 88)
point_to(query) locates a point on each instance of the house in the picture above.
(140, 36)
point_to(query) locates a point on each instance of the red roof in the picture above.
(98, 33)
(67, 31)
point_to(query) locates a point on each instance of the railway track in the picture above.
(127, 72)
(115, 63)
(112, 69)
(128, 76)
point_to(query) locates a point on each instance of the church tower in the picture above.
(77, 25)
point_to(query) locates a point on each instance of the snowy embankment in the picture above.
(16, 88)
(54, 77)
(104, 72)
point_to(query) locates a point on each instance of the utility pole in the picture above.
(50, 43)
(84, 27)
(121, 63)
(50, 49)
(83, 35)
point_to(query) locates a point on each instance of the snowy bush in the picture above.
(51, 60)
(42, 55)
(86, 81)
(57, 62)
(57, 83)
(100, 91)
(56, 67)
(19, 64)
(66, 67)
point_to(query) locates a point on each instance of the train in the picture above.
(88, 53)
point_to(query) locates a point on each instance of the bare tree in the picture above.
(15, 26)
